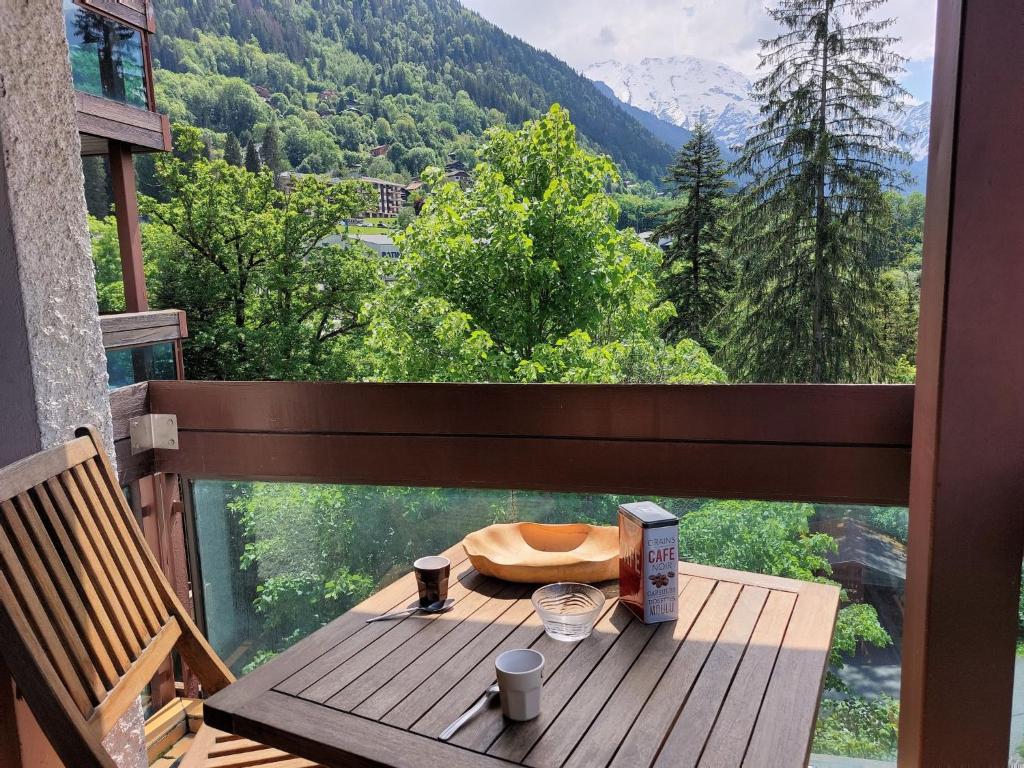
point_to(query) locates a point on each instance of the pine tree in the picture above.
(814, 212)
(98, 193)
(252, 158)
(695, 274)
(232, 151)
(272, 150)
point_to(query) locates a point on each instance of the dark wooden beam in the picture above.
(815, 443)
(967, 482)
(840, 475)
(856, 415)
(141, 129)
(126, 404)
(134, 13)
(129, 238)
(132, 329)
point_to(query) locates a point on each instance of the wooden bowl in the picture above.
(535, 553)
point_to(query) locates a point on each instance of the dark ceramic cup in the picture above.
(432, 579)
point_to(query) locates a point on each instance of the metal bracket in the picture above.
(154, 430)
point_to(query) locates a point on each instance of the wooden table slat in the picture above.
(517, 738)
(684, 744)
(481, 732)
(617, 717)
(317, 668)
(369, 670)
(568, 728)
(483, 648)
(308, 650)
(385, 639)
(576, 717)
(735, 680)
(644, 739)
(788, 712)
(728, 741)
(323, 734)
(486, 621)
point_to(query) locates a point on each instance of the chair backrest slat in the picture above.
(49, 559)
(126, 565)
(49, 699)
(38, 468)
(95, 599)
(30, 602)
(86, 530)
(127, 690)
(57, 603)
(118, 513)
(86, 615)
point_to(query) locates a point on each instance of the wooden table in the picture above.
(735, 681)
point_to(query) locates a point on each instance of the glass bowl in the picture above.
(568, 610)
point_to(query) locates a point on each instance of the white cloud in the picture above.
(586, 31)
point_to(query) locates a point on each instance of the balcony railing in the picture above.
(848, 444)
(470, 449)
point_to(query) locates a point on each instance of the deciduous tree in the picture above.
(524, 277)
(266, 297)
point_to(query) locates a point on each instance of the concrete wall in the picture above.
(52, 367)
(47, 293)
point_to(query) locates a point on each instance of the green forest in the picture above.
(800, 262)
(426, 77)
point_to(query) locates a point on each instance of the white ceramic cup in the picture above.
(520, 675)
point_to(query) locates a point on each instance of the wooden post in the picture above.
(967, 468)
(126, 211)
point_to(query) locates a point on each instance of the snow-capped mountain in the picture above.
(683, 90)
(915, 123)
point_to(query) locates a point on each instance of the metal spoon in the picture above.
(439, 607)
(470, 713)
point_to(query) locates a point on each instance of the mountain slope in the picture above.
(413, 54)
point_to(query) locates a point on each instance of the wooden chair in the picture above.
(86, 615)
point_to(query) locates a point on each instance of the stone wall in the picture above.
(45, 262)
(52, 366)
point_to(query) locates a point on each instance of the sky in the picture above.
(582, 32)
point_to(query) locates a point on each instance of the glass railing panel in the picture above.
(107, 58)
(1017, 712)
(279, 560)
(130, 365)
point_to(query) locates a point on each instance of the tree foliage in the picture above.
(232, 150)
(271, 150)
(642, 212)
(775, 539)
(252, 158)
(265, 297)
(696, 275)
(814, 212)
(524, 276)
(106, 259)
(858, 727)
(98, 192)
(438, 73)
